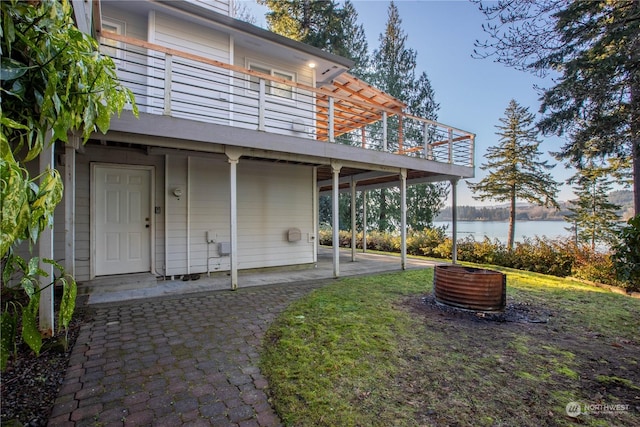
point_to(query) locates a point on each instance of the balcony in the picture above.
(170, 82)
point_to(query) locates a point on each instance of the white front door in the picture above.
(122, 216)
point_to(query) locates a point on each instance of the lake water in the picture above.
(500, 229)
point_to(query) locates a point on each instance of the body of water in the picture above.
(500, 229)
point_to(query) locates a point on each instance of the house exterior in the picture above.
(239, 131)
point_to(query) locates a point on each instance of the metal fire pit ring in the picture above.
(470, 288)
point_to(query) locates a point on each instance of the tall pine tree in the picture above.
(394, 67)
(515, 171)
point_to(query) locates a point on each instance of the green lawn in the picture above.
(376, 351)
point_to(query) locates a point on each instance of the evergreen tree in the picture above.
(515, 170)
(316, 23)
(594, 217)
(594, 46)
(394, 71)
(356, 47)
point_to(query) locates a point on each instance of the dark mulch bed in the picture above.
(30, 384)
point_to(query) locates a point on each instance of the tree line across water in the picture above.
(527, 212)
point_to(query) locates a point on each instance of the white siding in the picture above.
(280, 113)
(209, 209)
(272, 198)
(177, 216)
(221, 6)
(197, 93)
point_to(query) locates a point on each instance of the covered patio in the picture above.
(130, 287)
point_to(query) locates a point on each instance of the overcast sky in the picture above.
(473, 93)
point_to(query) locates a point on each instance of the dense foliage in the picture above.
(562, 257)
(54, 83)
(627, 253)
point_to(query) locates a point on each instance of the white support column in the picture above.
(315, 203)
(234, 158)
(45, 250)
(364, 220)
(454, 221)
(70, 205)
(403, 218)
(354, 230)
(335, 167)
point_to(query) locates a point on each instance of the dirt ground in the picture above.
(527, 354)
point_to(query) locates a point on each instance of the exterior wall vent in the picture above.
(294, 235)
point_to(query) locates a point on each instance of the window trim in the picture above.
(117, 54)
(272, 89)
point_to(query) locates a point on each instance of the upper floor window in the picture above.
(110, 47)
(273, 88)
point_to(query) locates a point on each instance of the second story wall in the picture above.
(289, 110)
(203, 91)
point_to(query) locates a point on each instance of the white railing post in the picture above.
(450, 145)
(261, 105)
(332, 132)
(428, 149)
(168, 77)
(472, 151)
(384, 131)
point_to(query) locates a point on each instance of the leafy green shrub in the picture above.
(541, 256)
(560, 257)
(424, 242)
(444, 249)
(589, 265)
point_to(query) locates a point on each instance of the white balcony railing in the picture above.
(179, 84)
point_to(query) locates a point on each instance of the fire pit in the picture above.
(470, 288)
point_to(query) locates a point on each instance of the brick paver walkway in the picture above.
(171, 361)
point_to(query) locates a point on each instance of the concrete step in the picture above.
(121, 282)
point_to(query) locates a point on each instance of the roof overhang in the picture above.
(327, 65)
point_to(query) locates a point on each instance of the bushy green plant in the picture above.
(541, 256)
(562, 257)
(424, 242)
(626, 254)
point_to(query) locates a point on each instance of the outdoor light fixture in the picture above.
(177, 192)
